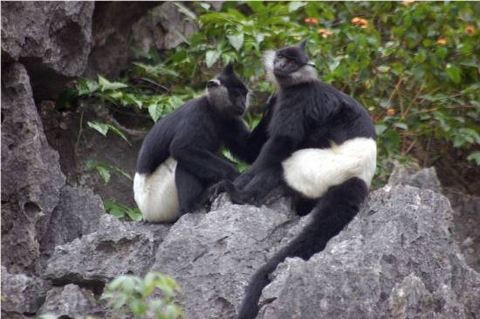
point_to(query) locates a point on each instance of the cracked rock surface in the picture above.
(396, 259)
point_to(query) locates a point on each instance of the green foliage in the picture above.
(104, 128)
(133, 295)
(105, 170)
(414, 66)
(112, 207)
(119, 210)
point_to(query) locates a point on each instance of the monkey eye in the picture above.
(213, 83)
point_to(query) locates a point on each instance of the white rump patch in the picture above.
(156, 193)
(312, 171)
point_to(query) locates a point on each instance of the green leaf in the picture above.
(155, 111)
(102, 128)
(187, 12)
(383, 68)
(236, 40)
(106, 85)
(474, 157)
(211, 57)
(205, 6)
(295, 5)
(114, 209)
(117, 131)
(134, 214)
(102, 169)
(86, 87)
(380, 128)
(402, 126)
(454, 73)
(104, 173)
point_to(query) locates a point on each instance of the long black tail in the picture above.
(330, 215)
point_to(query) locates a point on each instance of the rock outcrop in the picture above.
(21, 294)
(52, 39)
(78, 213)
(71, 301)
(396, 259)
(31, 176)
(116, 248)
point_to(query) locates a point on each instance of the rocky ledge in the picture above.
(396, 259)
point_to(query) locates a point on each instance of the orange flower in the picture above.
(362, 23)
(441, 41)
(311, 20)
(469, 29)
(324, 32)
(407, 2)
(390, 112)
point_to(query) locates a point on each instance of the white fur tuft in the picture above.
(248, 100)
(268, 58)
(306, 73)
(218, 97)
(156, 193)
(312, 171)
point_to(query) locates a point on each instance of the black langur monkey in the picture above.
(321, 147)
(178, 159)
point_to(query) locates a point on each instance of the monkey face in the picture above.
(289, 66)
(228, 93)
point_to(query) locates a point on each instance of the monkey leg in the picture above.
(189, 189)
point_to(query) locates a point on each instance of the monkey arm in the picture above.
(244, 144)
(204, 164)
(287, 133)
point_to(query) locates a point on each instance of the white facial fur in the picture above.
(268, 58)
(306, 73)
(218, 96)
(311, 171)
(248, 100)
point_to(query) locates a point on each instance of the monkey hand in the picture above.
(231, 175)
(224, 186)
(241, 181)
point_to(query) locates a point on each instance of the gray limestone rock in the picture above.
(53, 40)
(116, 248)
(21, 294)
(164, 27)
(466, 220)
(213, 255)
(112, 32)
(396, 259)
(70, 301)
(31, 175)
(78, 213)
(421, 178)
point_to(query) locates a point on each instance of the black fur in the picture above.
(306, 114)
(193, 135)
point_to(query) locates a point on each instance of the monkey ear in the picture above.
(303, 44)
(228, 69)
